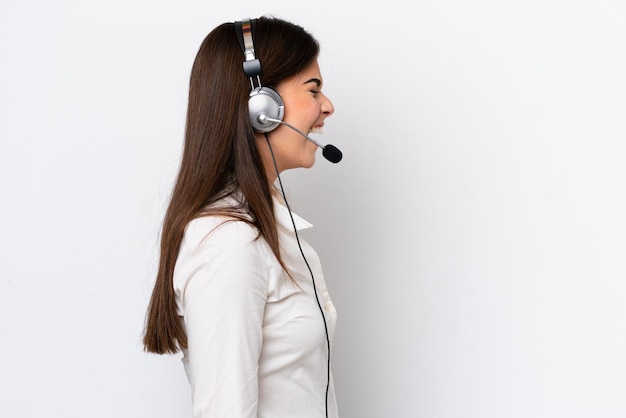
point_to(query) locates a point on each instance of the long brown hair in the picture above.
(220, 157)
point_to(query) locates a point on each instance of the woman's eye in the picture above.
(315, 91)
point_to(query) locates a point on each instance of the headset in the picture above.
(263, 102)
(266, 110)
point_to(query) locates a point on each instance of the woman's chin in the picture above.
(308, 162)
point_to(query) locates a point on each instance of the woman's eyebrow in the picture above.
(314, 80)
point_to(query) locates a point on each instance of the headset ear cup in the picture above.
(264, 101)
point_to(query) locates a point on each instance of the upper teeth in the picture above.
(316, 130)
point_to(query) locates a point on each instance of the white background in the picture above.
(473, 237)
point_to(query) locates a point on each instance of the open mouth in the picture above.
(316, 130)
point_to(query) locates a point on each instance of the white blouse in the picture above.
(256, 340)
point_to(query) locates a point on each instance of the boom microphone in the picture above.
(330, 152)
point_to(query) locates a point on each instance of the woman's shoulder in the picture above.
(220, 251)
(221, 230)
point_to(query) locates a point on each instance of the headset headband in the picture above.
(252, 65)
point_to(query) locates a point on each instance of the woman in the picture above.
(237, 291)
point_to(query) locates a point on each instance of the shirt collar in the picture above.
(281, 213)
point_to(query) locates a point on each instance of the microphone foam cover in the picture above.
(332, 153)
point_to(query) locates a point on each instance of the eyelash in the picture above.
(314, 91)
